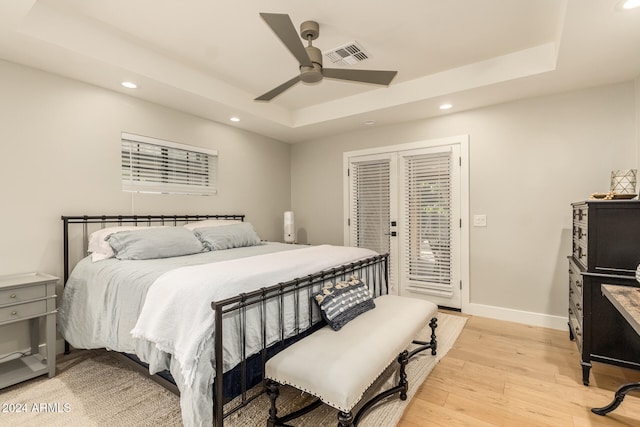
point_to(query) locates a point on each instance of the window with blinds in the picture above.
(428, 220)
(151, 165)
(370, 204)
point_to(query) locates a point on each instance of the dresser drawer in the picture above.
(575, 280)
(21, 311)
(23, 293)
(576, 327)
(576, 308)
(581, 213)
(580, 254)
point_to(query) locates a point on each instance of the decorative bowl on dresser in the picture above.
(28, 297)
(606, 250)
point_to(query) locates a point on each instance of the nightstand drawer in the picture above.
(21, 311)
(24, 293)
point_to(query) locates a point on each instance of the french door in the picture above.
(408, 203)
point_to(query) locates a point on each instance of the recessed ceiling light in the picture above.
(446, 106)
(628, 4)
(129, 85)
(234, 119)
(369, 122)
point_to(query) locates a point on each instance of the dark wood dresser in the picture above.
(606, 250)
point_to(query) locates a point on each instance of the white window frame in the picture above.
(172, 177)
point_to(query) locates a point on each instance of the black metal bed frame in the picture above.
(373, 271)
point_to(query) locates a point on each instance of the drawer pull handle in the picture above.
(14, 313)
(12, 296)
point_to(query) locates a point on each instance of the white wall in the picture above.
(60, 155)
(528, 161)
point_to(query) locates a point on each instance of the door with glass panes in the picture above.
(407, 203)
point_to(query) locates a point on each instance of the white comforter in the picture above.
(177, 317)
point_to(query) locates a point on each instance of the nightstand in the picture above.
(28, 297)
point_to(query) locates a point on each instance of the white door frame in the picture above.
(463, 141)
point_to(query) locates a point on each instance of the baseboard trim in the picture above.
(518, 316)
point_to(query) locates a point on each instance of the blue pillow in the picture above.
(343, 302)
(228, 236)
(156, 242)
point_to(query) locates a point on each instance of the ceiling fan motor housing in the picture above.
(309, 30)
(312, 74)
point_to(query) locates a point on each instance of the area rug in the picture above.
(95, 389)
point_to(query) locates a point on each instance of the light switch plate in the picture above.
(479, 220)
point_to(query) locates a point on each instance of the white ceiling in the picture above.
(212, 58)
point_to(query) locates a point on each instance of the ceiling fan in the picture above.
(310, 57)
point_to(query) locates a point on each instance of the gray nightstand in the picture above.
(28, 297)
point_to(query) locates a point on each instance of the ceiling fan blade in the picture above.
(277, 91)
(283, 27)
(367, 76)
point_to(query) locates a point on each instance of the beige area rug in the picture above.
(94, 389)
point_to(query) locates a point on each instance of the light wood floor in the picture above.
(507, 374)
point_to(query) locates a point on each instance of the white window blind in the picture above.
(370, 204)
(151, 165)
(427, 248)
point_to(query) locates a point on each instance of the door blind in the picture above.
(370, 204)
(151, 165)
(427, 248)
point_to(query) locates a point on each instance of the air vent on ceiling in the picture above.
(348, 54)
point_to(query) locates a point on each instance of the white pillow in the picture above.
(210, 223)
(101, 249)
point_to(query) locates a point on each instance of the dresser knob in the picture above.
(12, 296)
(13, 313)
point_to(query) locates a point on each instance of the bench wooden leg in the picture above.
(403, 384)
(273, 392)
(434, 342)
(345, 419)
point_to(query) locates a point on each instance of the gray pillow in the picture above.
(160, 242)
(228, 236)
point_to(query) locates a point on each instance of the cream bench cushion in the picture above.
(339, 366)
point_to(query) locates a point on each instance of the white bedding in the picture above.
(177, 317)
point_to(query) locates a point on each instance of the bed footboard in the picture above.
(292, 299)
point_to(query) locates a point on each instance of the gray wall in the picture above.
(60, 155)
(528, 161)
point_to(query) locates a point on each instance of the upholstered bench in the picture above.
(339, 366)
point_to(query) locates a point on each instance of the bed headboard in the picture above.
(76, 230)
